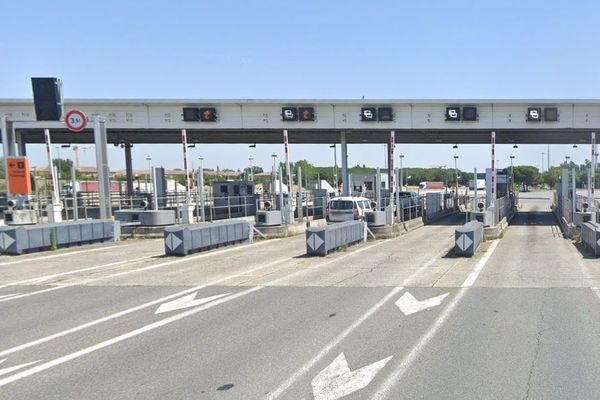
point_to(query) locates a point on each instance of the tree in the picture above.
(527, 174)
(64, 167)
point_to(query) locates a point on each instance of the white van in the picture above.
(347, 208)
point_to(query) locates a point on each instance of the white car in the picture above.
(347, 208)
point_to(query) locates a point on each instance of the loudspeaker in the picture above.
(47, 97)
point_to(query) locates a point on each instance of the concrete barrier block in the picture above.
(321, 240)
(467, 238)
(181, 240)
(590, 234)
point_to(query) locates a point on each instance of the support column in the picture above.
(345, 177)
(299, 200)
(8, 137)
(493, 199)
(129, 168)
(391, 176)
(289, 175)
(591, 201)
(102, 167)
(22, 146)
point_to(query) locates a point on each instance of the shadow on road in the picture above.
(539, 218)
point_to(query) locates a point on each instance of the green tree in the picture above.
(64, 167)
(527, 174)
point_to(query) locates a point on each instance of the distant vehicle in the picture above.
(480, 184)
(347, 208)
(408, 198)
(431, 185)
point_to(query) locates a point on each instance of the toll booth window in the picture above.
(224, 189)
(369, 185)
(236, 190)
(249, 190)
(357, 188)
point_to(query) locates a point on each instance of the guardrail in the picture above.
(322, 240)
(467, 238)
(590, 234)
(182, 240)
(20, 239)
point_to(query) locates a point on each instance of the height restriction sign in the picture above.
(75, 120)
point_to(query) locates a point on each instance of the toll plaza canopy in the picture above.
(317, 121)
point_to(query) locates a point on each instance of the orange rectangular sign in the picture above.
(17, 174)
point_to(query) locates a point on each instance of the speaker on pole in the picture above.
(47, 98)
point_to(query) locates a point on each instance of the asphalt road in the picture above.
(396, 319)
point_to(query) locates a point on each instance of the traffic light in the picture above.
(534, 114)
(289, 113)
(452, 113)
(368, 114)
(551, 114)
(469, 113)
(191, 114)
(208, 114)
(385, 114)
(306, 113)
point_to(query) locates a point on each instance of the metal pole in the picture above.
(129, 169)
(299, 201)
(281, 205)
(493, 199)
(574, 199)
(74, 191)
(378, 188)
(289, 175)
(51, 176)
(391, 175)
(154, 191)
(345, 177)
(593, 172)
(102, 166)
(401, 173)
(201, 189)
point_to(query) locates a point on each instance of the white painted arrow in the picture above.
(337, 381)
(186, 302)
(409, 305)
(15, 368)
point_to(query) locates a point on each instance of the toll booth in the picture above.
(367, 183)
(235, 197)
(504, 183)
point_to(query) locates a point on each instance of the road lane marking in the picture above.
(117, 274)
(186, 301)
(337, 380)
(21, 260)
(130, 310)
(120, 338)
(8, 370)
(337, 340)
(41, 279)
(281, 389)
(409, 305)
(9, 295)
(399, 370)
(162, 300)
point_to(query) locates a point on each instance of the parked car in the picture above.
(408, 198)
(347, 208)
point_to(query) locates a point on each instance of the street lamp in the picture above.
(456, 172)
(149, 159)
(251, 159)
(401, 174)
(335, 179)
(512, 173)
(567, 158)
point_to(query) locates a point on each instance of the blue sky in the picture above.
(309, 49)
